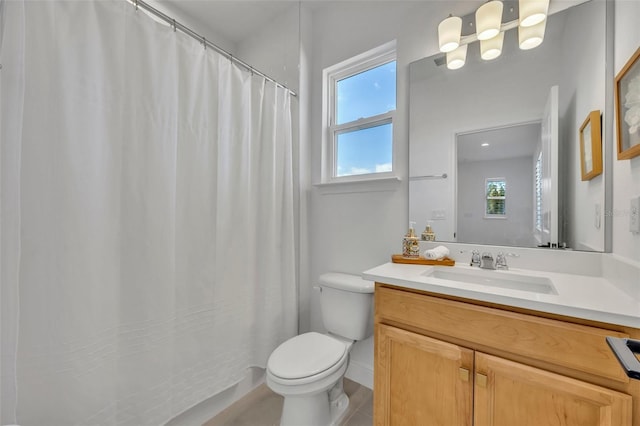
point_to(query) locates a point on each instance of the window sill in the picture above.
(360, 185)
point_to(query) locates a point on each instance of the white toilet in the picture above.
(308, 369)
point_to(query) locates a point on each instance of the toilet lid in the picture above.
(306, 355)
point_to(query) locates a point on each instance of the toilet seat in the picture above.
(306, 358)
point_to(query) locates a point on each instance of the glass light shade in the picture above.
(530, 37)
(457, 58)
(489, 19)
(449, 32)
(532, 12)
(492, 48)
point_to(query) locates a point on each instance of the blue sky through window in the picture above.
(364, 95)
(365, 151)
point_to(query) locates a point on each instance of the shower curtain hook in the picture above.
(204, 43)
(175, 26)
(136, 4)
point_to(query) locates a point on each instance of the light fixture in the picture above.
(492, 48)
(489, 19)
(532, 12)
(449, 32)
(454, 35)
(484, 144)
(530, 37)
(457, 58)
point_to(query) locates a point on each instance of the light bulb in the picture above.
(530, 37)
(532, 12)
(449, 32)
(489, 19)
(492, 48)
(457, 58)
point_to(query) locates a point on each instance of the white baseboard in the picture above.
(360, 373)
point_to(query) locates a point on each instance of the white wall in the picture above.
(516, 228)
(626, 173)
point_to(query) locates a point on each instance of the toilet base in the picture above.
(325, 408)
(339, 408)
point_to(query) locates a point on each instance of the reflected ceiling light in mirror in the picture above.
(530, 37)
(492, 48)
(489, 20)
(457, 58)
(449, 32)
(532, 12)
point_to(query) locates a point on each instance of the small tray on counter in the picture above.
(398, 258)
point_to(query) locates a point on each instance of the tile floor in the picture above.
(262, 407)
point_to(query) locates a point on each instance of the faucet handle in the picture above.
(475, 258)
(501, 260)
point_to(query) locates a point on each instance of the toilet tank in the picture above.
(346, 303)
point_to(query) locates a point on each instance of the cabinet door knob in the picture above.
(481, 380)
(464, 374)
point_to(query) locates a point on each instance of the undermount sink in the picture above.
(501, 279)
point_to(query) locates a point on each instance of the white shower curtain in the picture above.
(147, 217)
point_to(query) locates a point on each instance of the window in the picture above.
(360, 102)
(496, 196)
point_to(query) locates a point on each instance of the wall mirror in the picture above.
(508, 106)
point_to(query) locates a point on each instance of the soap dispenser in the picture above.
(410, 244)
(428, 234)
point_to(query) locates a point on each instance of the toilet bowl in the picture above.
(308, 370)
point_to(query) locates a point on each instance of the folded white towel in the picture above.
(437, 253)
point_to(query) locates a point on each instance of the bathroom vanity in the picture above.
(527, 350)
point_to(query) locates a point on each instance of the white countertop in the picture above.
(586, 297)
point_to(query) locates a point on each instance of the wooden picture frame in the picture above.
(591, 146)
(627, 103)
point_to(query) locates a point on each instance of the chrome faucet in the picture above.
(486, 261)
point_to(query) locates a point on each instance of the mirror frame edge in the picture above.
(608, 126)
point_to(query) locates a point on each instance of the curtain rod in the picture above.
(178, 26)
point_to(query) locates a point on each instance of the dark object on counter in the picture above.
(625, 350)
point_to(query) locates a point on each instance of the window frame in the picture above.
(331, 76)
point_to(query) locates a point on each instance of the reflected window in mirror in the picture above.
(495, 197)
(361, 102)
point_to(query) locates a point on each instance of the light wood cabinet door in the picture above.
(421, 381)
(508, 393)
